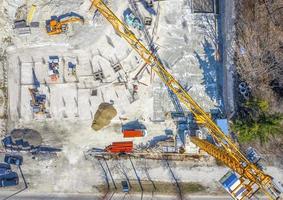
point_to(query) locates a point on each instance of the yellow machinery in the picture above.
(58, 25)
(31, 14)
(251, 178)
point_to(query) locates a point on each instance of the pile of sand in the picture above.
(103, 116)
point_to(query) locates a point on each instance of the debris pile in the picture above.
(103, 116)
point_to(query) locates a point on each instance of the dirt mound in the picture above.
(27, 135)
(103, 116)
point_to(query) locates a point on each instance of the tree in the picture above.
(260, 125)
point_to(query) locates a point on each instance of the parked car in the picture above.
(13, 159)
(10, 179)
(125, 186)
(4, 169)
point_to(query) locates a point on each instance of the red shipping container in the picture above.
(120, 147)
(133, 133)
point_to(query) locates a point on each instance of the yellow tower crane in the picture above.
(251, 178)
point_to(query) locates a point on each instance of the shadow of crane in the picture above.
(177, 184)
(212, 78)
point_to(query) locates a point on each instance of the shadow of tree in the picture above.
(212, 72)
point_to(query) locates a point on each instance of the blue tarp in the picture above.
(223, 125)
(133, 125)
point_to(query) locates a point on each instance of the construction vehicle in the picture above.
(132, 20)
(57, 25)
(31, 14)
(72, 68)
(120, 147)
(53, 67)
(38, 100)
(251, 178)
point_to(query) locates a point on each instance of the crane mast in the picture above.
(251, 177)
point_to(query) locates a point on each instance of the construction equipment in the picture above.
(57, 25)
(132, 20)
(252, 179)
(31, 14)
(72, 68)
(53, 67)
(38, 100)
(120, 147)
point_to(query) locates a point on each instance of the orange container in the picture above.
(133, 133)
(120, 147)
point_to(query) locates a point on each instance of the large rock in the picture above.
(103, 116)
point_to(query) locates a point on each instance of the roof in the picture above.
(223, 125)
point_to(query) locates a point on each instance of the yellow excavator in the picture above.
(249, 177)
(57, 25)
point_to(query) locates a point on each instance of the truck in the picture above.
(120, 147)
(134, 133)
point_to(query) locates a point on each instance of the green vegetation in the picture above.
(257, 123)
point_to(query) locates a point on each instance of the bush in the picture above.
(259, 124)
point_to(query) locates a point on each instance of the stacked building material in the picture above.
(120, 147)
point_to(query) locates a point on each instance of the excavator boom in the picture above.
(249, 173)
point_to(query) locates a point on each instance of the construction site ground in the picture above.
(186, 44)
